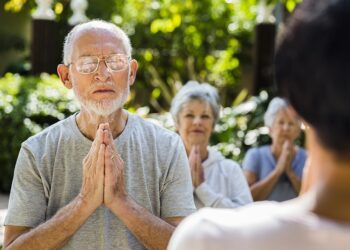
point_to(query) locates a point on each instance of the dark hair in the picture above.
(312, 67)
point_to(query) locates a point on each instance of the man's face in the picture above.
(103, 91)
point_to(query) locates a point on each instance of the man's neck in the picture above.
(330, 182)
(88, 122)
(332, 194)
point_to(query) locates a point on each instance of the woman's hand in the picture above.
(284, 162)
(197, 172)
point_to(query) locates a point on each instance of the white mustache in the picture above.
(98, 84)
(101, 84)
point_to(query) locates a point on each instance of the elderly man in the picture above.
(102, 178)
(312, 72)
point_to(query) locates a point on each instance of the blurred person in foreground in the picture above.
(312, 73)
(217, 181)
(102, 178)
(274, 171)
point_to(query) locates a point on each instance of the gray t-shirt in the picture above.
(48, 175)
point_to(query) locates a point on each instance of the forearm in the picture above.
(216, 200)
(151, 231)
(56, 231)
(295, 181)
(261, 189)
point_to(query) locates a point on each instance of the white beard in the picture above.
(103, 107)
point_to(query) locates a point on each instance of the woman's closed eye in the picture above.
(205, 116)
(189, 115)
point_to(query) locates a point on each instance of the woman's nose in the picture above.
(197, 120)
(286, 127)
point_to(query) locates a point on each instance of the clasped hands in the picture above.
(284, 162)
(195, 160)
(103, 171)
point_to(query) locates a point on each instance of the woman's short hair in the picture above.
(275, 106)
(191, 91)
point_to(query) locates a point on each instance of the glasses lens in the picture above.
(117, 62)
(87, 64)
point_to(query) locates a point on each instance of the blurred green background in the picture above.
(174, 41)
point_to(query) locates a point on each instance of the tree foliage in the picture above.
(27, 105)
(178, 40)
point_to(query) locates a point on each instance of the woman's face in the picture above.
(195, 122)
(286, 126)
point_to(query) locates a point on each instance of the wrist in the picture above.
(119, 204)
(278, 171)
(290, 172)
(84, 203)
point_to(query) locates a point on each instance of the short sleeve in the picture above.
(27, 203)
(177, 192)
(300, 162)
(251, 161)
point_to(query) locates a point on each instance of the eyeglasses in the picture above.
(90, 64)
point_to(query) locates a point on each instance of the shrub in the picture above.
(27, 105)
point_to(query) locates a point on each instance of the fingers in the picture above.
(198, 158)
(114, 175)
(100, 162)
(195, 164)
(192, 156)
(107, 136)
(286, 145)
(93, 172)
(96, 146)
(97, 141)
(112, 158)
(193, 161)
(109, 156)
(91, 157)
(199, 167)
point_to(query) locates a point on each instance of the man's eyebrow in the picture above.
(86, 54)
(99, 55)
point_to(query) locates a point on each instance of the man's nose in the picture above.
(102, 73)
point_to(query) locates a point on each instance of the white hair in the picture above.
(93, 24)
(193, 90)
(275, 106)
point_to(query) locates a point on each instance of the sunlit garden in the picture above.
(174, 41)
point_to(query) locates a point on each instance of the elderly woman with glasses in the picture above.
(274, 171)
(217, 181)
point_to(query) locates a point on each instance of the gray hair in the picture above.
(93, 24)
(196, 91)
(275, 106)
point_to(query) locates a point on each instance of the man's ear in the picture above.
(132, 72)
(63, 72)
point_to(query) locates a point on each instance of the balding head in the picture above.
(93, 25)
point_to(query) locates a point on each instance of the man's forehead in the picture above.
(95, 35)
(96, 41)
